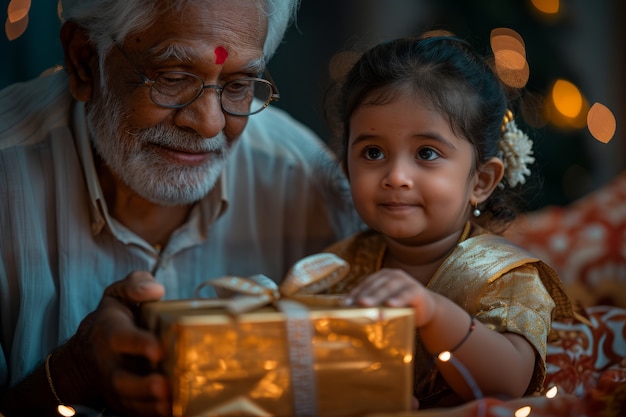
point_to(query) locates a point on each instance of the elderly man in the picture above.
(134, 162)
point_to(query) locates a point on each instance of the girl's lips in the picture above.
(397, 206)
(182, 157)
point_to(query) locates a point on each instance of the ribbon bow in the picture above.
(307, 277)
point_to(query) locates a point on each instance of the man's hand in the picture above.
(115, 358)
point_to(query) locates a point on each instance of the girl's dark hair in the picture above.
(452, 78)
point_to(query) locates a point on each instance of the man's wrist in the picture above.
(72, 377)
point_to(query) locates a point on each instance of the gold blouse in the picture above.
(502, 285)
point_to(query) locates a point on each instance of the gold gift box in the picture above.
(224, 364)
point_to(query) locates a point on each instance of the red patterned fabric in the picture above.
(585, 242)
(587, 366)
(590, 361)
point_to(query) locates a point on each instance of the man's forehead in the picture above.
(238, 28)
(248, 60)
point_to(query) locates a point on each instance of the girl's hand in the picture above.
(395, 288)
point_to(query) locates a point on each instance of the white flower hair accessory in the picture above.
(516, 151)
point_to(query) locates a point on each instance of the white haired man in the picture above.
(134, 162)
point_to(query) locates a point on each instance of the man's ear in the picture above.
(81, 60)
(487, 178)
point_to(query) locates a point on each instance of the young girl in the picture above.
(431, 153)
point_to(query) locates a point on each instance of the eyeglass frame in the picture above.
(145, 81)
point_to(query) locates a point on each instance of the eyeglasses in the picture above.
(240, 97)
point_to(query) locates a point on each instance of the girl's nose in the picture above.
(399, 175)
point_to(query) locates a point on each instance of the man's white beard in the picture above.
(130, 158)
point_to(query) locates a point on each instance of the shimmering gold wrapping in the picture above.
(220, 364)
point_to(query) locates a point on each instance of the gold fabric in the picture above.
(502, 285)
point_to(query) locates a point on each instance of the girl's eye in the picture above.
(372, 154)
(427, 154)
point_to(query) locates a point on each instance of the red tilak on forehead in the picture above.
(220, 55)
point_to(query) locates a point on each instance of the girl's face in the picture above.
(411, 176)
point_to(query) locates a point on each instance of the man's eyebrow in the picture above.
(184, 55)
(256, 66)
(172, 51)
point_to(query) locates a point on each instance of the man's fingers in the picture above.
(137, 342)
(143, 395)
(117, 329)
(138, 287)
(150, 387)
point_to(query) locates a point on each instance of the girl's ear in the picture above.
(81, 60)
(487, 179)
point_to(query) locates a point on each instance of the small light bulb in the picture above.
(551, 393)
(444, 356)
(66, 411)
(523, 412)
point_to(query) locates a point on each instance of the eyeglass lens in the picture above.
(178, 89)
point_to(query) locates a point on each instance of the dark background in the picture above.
(583, 43)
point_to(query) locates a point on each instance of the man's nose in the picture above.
(205, 115)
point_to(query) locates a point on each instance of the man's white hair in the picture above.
(108, 21)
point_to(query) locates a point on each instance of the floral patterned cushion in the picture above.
(590, 361)
(585, 242)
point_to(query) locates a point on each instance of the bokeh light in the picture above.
(523, 412)
(512, 68)
(17, 19)
(567, 98)
(18, 9)
(509, 53)
(14, 30)
(507, 39)
(547, 6)
(601, 123)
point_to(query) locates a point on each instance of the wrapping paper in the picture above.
(284, 350)
(225, 364)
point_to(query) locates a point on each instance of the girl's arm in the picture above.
(501, 364)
